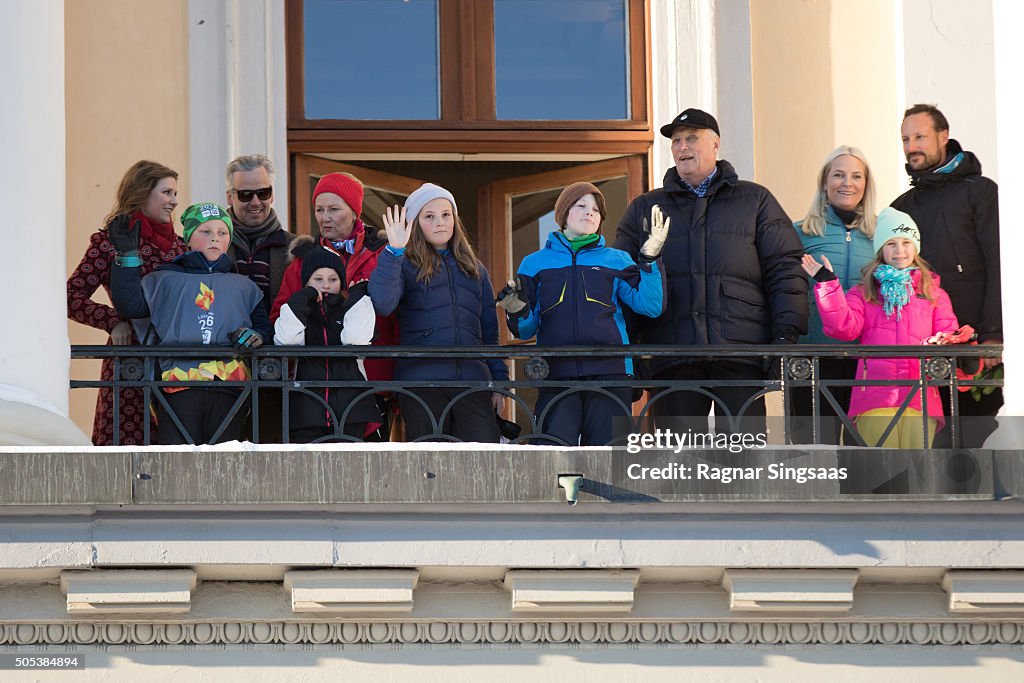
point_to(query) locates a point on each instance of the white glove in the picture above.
(659, 233)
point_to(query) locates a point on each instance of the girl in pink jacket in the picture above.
(898, 301)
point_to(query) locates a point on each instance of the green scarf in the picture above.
(577, 243)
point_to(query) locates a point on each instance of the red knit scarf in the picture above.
(161, 235)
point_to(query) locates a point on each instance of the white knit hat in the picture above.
(894, 223)
(426, 192)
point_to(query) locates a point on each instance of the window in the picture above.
(466, 64)
(371, 59)
(561, 59)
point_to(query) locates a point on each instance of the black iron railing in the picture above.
(796, 366)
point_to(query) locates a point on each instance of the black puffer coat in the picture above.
(732, 262)
(958, 216)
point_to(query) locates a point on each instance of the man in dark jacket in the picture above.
(259, 248)
(732, 263)
(259, 245)
(957, 210)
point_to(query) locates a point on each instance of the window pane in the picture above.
(561, 59)
(371, 59)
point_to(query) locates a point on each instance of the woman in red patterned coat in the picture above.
(148, 193)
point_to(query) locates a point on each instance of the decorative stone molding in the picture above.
(516, 632)
(790, 590)
(982, 592)
(571, 590)
(333, 591)
(128, 591)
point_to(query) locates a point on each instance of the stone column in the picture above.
(34, 361)
(237, 50)
(1009, 55)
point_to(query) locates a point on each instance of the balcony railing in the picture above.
(798, 367)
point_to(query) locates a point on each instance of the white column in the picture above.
(948, 62)
(734, 85)
(1007, 15)
(35, 357)
(237, 79)
(700, 57)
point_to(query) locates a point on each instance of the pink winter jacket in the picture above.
(846, 317)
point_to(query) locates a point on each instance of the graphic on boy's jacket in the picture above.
(205, 297)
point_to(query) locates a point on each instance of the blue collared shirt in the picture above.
(701, 189)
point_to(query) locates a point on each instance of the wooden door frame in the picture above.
(494, 202)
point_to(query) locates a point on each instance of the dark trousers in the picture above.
(691, 404)
(269, 428)
(800, 404)
(201, 412)
(470, 419)
(977, 418)
(583, 417)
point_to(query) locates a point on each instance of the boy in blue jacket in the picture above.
(197, 299)
(571, 293)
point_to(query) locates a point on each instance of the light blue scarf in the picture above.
(950, 165)
(895, 287)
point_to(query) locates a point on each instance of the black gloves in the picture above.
(303, 302)
(824, 275)
(245, 339)
(513, 299)
(124, 235)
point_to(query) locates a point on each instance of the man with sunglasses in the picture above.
(259, 245)
(259, 248)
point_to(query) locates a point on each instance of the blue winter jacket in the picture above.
(848, 251)
(577, 299)
(449, 309)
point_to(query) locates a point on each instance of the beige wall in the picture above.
(127, 99)
(824, 73)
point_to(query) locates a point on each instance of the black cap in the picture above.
(691, 118)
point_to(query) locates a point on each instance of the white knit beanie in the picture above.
(894, 223)
(426, 192)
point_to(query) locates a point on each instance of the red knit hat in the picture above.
(346, 186)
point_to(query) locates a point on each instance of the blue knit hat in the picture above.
(894, 223)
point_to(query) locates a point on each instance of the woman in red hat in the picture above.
(337, 205)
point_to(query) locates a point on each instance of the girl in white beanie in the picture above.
(443, 296)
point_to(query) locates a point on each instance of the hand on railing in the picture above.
(245, 339)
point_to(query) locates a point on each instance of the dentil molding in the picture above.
(516, 632)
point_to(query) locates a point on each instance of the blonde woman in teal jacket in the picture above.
(839, 225)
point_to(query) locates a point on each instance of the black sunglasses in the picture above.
(264, 193)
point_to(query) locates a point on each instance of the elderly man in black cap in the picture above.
(732, 260)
